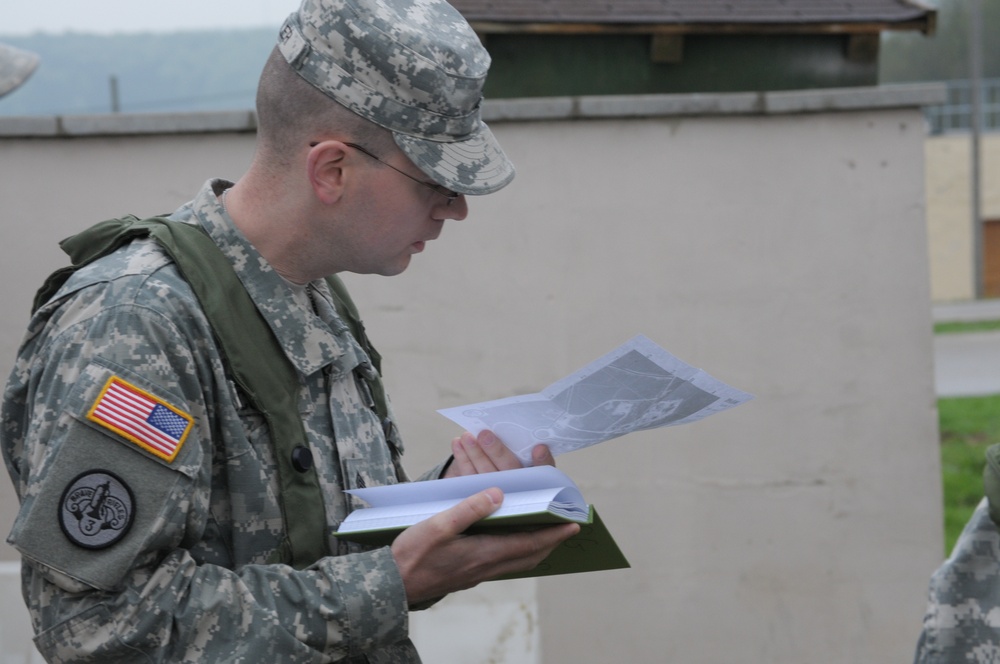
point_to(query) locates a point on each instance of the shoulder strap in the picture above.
(97, 241)
(991, 482)
(252, 353)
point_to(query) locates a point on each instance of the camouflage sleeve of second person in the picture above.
(117, 431)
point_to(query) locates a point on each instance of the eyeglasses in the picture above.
(450, 195)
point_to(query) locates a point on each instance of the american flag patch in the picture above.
(149, 422)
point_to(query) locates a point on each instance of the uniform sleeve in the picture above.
(961, 623)
(110, 443)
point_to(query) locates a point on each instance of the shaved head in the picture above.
(291, 113)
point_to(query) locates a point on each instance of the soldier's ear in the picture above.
(326, 165)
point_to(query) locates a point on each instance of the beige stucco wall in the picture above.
(783, 253)
(949, 209)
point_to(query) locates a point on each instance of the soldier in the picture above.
(195, 394)
(962, 621)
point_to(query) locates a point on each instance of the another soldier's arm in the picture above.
(960, 623)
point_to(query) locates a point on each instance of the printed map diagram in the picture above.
(635, 387)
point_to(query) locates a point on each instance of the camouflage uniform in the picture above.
(176, 566)
(962, 623)
(154, 537)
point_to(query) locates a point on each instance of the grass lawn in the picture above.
(968, 426)
(974, 326)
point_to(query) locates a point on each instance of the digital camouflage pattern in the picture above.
(415, 67)
(189, 579)
(962, 623)
(16, 66)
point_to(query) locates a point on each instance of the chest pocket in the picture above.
(367, 443)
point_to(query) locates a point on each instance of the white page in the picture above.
(457, 488)
(634, 387)
(407, 514)
(393, 516)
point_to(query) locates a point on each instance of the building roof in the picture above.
(694, 12)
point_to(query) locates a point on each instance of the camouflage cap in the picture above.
(414, 67)
(15, 67)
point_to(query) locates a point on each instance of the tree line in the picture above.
(184, 71)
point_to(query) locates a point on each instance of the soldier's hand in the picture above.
(486, 453)
(435, 558)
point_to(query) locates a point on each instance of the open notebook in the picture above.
(532, 497)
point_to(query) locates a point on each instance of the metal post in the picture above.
(975, 124)
(115, 104)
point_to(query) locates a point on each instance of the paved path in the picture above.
(967, 311)
(967, 364)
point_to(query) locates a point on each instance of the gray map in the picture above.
(637, 386)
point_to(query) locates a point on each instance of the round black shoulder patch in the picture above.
(96, 510)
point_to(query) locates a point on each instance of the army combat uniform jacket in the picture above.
(150, 520)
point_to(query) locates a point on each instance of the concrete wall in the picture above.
(949, 209)
(777, 241)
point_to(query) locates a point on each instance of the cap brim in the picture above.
(474, 166)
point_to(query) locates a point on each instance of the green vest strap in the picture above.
(254, 357)
(991, 482)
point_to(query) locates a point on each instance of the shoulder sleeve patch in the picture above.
(146, 420)
(96, 509)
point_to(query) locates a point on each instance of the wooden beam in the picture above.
(863, 49)
(495, 27)
(666, 49)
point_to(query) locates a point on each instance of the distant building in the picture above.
(557, 48)
(544, 48)
(949, 215)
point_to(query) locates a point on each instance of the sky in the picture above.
(22, 17)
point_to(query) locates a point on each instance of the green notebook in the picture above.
(533, 497)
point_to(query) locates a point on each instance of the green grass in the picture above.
(973, 326)
(968, 426)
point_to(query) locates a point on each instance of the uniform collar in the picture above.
(310, 341)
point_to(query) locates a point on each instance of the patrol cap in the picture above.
(15, 67)
(415, 67)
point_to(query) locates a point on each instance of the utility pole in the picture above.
(115, 104)
(975, 124)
